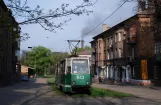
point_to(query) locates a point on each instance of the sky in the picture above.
(79, 25)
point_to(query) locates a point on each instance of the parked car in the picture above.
(24, 78)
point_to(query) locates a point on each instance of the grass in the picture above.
(48, 76)
(96, 92)
(58, 92)
(50, 80)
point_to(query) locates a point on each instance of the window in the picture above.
(108, 41)
(157, 48)
(119, 53)
(119, 36)
(111, 55)
(99, 43)
(99, 56)
(106, 44)
(108, 56)
(80, 66)
(96, 45)
(134, 72)
(115, 53)
(116, 35)
(68, 69)
(111, 39)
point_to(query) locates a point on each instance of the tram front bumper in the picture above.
(80, 87)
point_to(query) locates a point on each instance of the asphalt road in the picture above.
(37, 92)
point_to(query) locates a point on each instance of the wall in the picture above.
(24, 70)
(7, 52)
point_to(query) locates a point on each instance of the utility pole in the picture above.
(35, 67)
(34, 63)
(70, 42)
(82, 42)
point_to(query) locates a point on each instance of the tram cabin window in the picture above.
(68, 69)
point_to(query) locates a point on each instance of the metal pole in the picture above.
(35, 68)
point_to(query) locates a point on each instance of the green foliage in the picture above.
(82, 49)
(39, 58)
(96, 92)
(57, 92)
(57, 56)
(51, 80)
(23, 57)
(49, 76)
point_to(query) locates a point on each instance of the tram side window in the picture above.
(63, 68)
(68, 69)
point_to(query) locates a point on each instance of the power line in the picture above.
(104, 19)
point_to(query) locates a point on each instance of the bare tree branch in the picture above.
(155, 6)
(46, 20)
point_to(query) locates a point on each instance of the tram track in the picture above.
(81, 101)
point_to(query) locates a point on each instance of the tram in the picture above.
(73, 75)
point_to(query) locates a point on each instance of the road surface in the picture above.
(37, 92)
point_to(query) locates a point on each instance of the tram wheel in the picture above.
(89, 92)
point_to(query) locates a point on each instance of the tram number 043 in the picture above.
(80, 77)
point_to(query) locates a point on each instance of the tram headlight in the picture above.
(74, 83)
(87, 83)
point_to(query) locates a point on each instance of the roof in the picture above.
(91, 41)
(27, 66)
(85, 52)
(121, 24)
(114, 27)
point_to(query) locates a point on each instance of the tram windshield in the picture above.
(80, 66)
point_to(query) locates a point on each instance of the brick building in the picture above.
(9, 47)
(127, 50)
(97, 61)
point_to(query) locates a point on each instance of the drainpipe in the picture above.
(133, 54)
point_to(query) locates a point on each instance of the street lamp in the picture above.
(30, 47)
(35, 62)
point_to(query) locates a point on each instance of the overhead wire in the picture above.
(104, 20)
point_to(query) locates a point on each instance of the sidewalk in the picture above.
(142, 92)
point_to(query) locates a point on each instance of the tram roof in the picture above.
(74, 56)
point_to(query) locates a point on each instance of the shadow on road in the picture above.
(22, 92)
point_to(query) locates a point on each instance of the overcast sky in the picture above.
(78, 26)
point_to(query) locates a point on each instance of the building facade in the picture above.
(9, 45)
(127, 51)
(98, 55)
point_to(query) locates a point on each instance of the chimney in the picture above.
(104, 27)
(141, 5)
(82, 43)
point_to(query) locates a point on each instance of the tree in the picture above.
(78, 50)
(46, 20)
(23, 57)
(155, 7)
(39, 58)
(58, 56)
